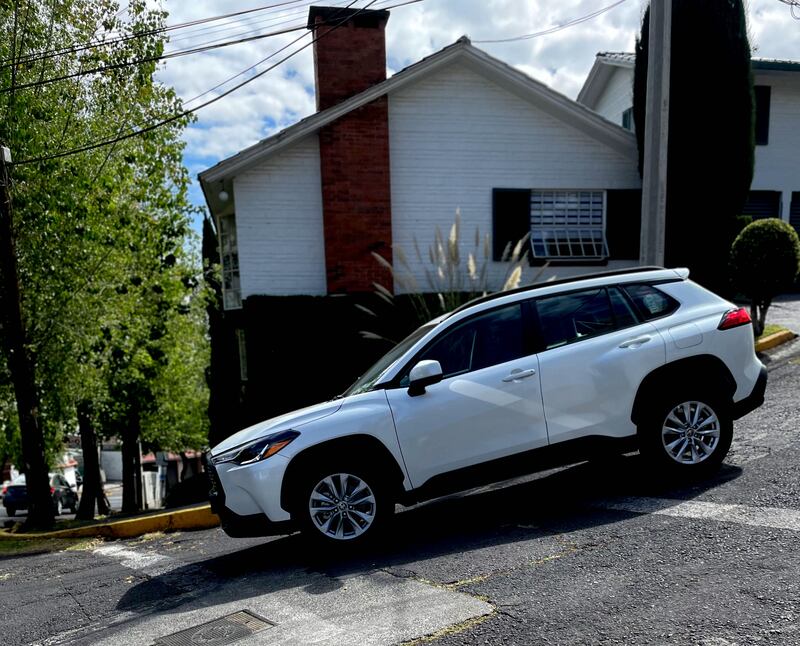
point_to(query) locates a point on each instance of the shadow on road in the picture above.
(550, 504)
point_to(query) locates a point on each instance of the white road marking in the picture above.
(772, 517)
(133, 559)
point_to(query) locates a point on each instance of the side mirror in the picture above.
(424, 374)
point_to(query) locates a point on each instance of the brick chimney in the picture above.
(350, 57)
(349, 53)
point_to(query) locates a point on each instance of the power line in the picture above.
(556, 28)
(167, 28)
(263, 60)
(185, 113)
(150, 59)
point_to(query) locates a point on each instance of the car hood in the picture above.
(284, 422)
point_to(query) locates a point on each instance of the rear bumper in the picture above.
(754, 399)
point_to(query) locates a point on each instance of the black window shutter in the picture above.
(762, 94)
(794, 212)
(511, 218)
(623, 223)
(763, 204)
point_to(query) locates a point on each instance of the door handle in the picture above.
(630, 343)
(518, 373)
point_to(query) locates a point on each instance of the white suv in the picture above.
(508, 384)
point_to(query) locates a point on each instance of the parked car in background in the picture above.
(511, 383)
(15, 495)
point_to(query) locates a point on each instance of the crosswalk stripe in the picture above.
(772, 517)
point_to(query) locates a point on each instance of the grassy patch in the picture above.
(30, 546)
(771, 328)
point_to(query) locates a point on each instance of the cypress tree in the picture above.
(711, 132)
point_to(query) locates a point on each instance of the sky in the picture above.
(285, 94)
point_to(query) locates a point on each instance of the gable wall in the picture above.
(617, 95)
(455, 136)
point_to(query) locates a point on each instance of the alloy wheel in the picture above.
(690, 433)
(342, 506)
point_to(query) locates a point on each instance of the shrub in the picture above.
(765, 260)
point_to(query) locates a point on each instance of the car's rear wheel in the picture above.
(688, 433)
(343, 505)
(11, 511)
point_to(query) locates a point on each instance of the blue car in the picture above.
(15, 495)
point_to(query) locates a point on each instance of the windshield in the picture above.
(371, 376)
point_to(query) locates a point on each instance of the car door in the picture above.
(487, 406)
(594, 353)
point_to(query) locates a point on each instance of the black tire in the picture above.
(692, 453)
(11, 511)
(313, 526)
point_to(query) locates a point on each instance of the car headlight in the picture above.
(257, 450)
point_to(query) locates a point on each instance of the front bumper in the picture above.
(241, 525)
(754, 399)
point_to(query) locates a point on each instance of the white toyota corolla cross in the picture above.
(508, 384)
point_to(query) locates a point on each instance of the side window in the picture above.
(486, 340)
(570, 317)
(624, 315)
(650, 302)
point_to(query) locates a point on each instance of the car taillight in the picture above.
(5, 489)
(52, 490)
(734, 318)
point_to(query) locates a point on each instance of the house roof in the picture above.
(606, 62)
(461, 51)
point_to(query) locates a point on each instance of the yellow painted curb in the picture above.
(188, 519)
(773, 340)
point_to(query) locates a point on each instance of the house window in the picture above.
(229, 253)
(627, 119)
(568, 225)
(240, 339)
(762, 95)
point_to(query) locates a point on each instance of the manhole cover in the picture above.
(224, 630)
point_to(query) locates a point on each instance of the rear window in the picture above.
(650, 302)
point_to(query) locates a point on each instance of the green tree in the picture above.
(711, 131)
(103, 253)
(765, 261)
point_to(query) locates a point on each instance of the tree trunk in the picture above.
(131, 466)
(92, 493)
(21, 364)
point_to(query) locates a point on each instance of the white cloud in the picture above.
(284, 95)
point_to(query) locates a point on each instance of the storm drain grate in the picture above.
(224, 630)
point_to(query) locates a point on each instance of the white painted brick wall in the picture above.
(778, 164)
(279, 224)
(455, 136)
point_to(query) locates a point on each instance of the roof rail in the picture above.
(562, 281)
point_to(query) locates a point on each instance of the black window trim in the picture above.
(532, 333)
(527, 340)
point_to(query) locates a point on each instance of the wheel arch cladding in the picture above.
(703, 371)
(368, 449)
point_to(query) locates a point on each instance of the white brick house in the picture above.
(775, 191)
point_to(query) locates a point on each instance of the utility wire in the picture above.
(556, 28)
(264, 60)
(167, 28)
(185, 113)
(151, 59)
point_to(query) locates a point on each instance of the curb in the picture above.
(774, 340)
(187, 519)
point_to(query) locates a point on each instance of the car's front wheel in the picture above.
(687, 434)
(343, 505)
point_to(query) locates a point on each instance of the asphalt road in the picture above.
(591, 554)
